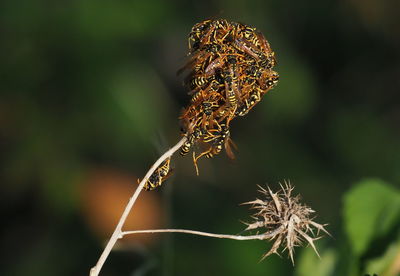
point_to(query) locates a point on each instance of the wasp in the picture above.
(249, 34)
(187, 145)
(263, 59)
(208, 108)
(212, 88)
(197, 94)
(200, 57)
(254, 97)
(268, 80)
(216, 27)
(257, 47)
(215, 64)
(192, 138)
(196, 34)
(198, 82)
(266, 48)
(243, 46)
(158, 176)
(230, 87)
(232, 94)
(218, 139)
(243, 109)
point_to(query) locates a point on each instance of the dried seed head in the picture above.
(284, 220)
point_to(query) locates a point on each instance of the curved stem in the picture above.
(262, 236)
(117, 232)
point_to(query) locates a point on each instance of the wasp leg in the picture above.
(195, 159)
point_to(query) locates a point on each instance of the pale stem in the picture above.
(263, 236)
(117, 232)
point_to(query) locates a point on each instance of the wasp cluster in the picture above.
(229, 70)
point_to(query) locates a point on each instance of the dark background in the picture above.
(90, 98)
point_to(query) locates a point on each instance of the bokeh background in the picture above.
(90, 98)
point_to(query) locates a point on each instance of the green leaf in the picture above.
(384, 265)
(371, 209)
(310, 264)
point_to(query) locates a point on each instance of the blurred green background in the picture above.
(90, 98)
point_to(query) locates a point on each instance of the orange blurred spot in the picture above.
(105, 193)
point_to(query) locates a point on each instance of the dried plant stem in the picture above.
(262, 236)
(118, 232)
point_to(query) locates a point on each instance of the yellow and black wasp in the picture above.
(159, 176)
(216, 139)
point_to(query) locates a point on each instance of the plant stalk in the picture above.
(118, 232)
(263, 236)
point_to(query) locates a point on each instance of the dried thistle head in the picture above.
(284, 220)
